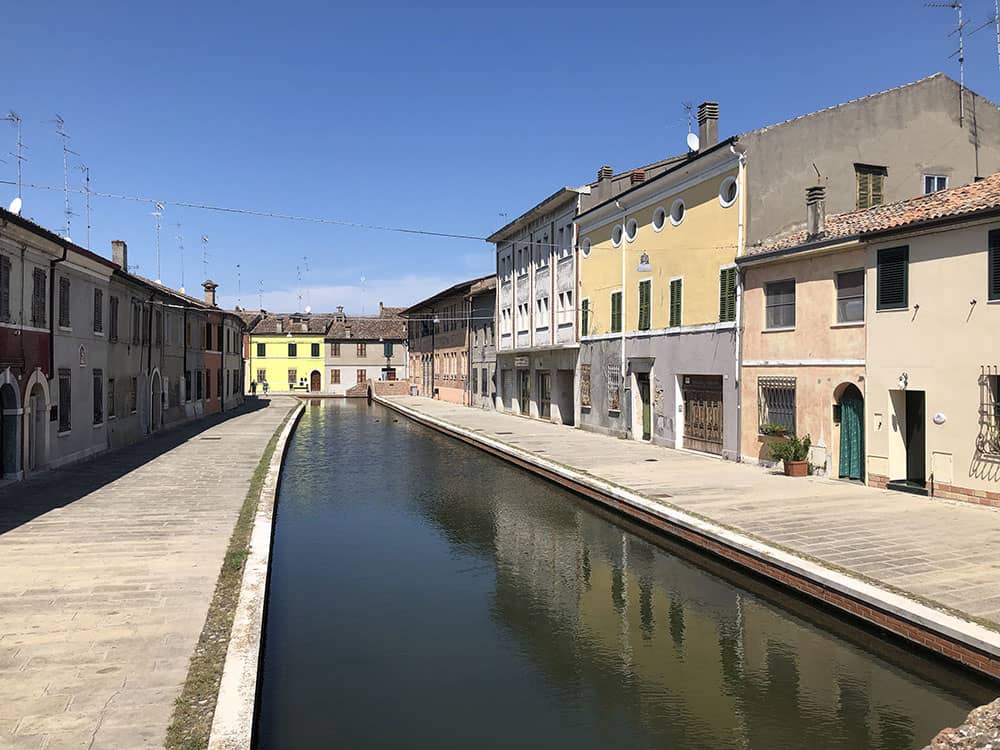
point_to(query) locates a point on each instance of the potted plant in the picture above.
(793, 453)
(775, 430)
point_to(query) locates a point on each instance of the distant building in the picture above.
(482, 344)
(358, 349)
(286, 352)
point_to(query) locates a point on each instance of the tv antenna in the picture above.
(260, 294)
(86, 188)
(298, 286)
(363, 282)
(305, 266)
(956, 5)
(60, 124)
(180, 249)
(157, 214)
(15, 118)
(993, 21)
(204, 255)
(239, 296)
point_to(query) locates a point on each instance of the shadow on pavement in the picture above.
(24, 501)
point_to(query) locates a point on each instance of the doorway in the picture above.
(155, 402)
(544, 395)
(8, 431)
(852, 434)
(702, 396)
(642, 384)
(314, 381)
(915, 429)
(524, 391)
(36, 422)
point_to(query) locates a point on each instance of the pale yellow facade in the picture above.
(271, 360)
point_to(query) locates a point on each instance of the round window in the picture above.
(659, 218)
(616, 235)
(585, 247)
(677, 210)
(631, 229)
(728, 191)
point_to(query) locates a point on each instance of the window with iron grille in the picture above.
(892, 292)
(871, 184)
(727, 295)
(851, 296)
(261, 376)
(988, 440)
(113, 318)
(614, 378)
(314, 350)
(98, 311)
(645, 287)
(98, 396)
(4, 288)
(133, 394)
(676, 302)
(111, 399)
(616, 312)
(776, 404)
(779, 301)
(993, 265)
(65, 400)
(38, 316)
(64, 319)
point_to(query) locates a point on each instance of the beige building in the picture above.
(359, 349)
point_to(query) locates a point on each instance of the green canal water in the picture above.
(424, 594)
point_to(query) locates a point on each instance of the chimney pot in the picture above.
(119, 253)
(637, 176)
(605, 172)
(708, 125)
(815, 211)
(209, 286)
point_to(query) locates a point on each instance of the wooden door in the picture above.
(642, 380)
(314, 381)
(703, 412)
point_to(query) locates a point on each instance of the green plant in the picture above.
(772, 429)
(791, 448)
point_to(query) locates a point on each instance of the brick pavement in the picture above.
(108, 570)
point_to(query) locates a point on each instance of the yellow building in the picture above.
(286, 352)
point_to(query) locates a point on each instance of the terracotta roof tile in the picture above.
(369, 329)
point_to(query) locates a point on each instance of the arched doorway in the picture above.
(155, 402)
(314, 381)
(36, 415)
(8, 431)
(852, 433)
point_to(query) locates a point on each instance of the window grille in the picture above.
(614, 376)
(98, 311)
(988, 440)
(776, 403)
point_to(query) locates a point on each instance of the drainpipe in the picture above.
(740, 247)
(52, 309)
(621, 395)
(433, 331)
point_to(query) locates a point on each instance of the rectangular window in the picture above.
(261, 348)
(314, 350)
(158, 327)
(335, 377)
(676, 302)
(779, 299)
(207, 343)
(111, 398)
(776, 405)
(135, 325)
(486, 381)
(475, 380)
(293, 377)
(387, 349)
(362, 350)
(616, 312)
(200, 385)
(871, 184)
(727, 295)
(361, 376)
(113, 318)
(934, 182)
(993, 265)
(585, 386)
(38, 317)
(187, 385)
(145, 324)
(851, 296)
(64, 319)
(4, 288)
(98, 311)
(614, 377)
(892, 291)
(65, 400)
(261, 376)
(334, 350)
(133, 394)
(293, 350)
(98, 396)
(208, 384)
(645, 287)
(585, 317)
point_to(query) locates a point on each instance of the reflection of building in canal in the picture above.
(691, 658)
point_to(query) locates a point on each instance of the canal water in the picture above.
(424, 594)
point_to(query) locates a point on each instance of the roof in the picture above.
(462, 288)
(390, 312)
(558, 198)
(48, 234)
(292, 323)
(946, 205)
(371, 329)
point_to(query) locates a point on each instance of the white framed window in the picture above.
(616, 235)
(659, 218)
(677, 211)
(631, 229)
(729, 189)
(851, 296)
(935, 182)
(585, 247)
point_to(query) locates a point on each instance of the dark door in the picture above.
(524, 391)
(915, 428)
(314, 381)
(703, 413)
(852, 434)
(545, 395)
(642, 381)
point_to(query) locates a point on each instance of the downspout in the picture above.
(52, 309)
(184, 371)
(740, 247)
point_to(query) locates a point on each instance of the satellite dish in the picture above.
(308, 309)
(693, 142)
(15, 207)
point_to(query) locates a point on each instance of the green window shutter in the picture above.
(876, 191)
(676, 291)
(727, 295)
(993, 265)
(892, 281)
(616, 312)
(585, 318)
(863, 191)
(644, 312)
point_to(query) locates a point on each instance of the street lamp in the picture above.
(644, 266)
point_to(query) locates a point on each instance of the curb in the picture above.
(967, 643)
(233, 722)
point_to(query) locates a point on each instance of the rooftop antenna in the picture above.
(956, 5)
(260, 294)
(86, 188)
(180, 249)
(15, 118)
(305, 265)
(204, 255)
(688, 108)
(363, 281)
(157, 214)
(60, 124)
(298, 290)
(993, 21)
(239, 297)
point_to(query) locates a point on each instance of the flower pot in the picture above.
(796, 468)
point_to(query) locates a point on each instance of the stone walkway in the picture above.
(108, 568)
(941, 551)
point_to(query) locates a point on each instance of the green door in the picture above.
(852, 435)
(642, 379)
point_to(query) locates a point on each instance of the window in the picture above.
(585, 317)
(614, 378)
(644, 303)
(616, 235)
(780, 304)
(113, 319)
(111, 398)
(334, 350)
(631, 229)
(892, 282)
(993, 265)
(851, 296)
(314, 350)
(585, 247)
(98, 396)
(261, 348)
(64, 320)
(98, 311)
(776, 404)
(677, 211)
(362, 375)
(486, 381)
(145, 324)
(65, 400)
(616, 312)
(187, 385)
(362, 350)
(135, 325)
(4, 288)
(261, 376)
(676, 302)
(158, 327)
(133, 393)
(475, 380)
(934, 182)
(988, 441)
(727, 295)
(585, 386)
(871, 184)
(218, 383)
(208, 335)
(293, 350)
(335, 377)
(728, 191)
(293, 377)
(208, 384)
(38, 317)
(200, 385)
(387, 349)
(659, 218)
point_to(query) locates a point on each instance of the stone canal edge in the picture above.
(967, 643)
(232, 724)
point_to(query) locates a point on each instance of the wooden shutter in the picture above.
(864, 190)
(585, 318)
(993, 265)
(64, 302)
(876, 189)
(892, 282)
(644, 312)
(616, 312)
(4, 288)
(676, 287)
(727, 295)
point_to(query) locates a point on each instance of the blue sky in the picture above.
(435, 116)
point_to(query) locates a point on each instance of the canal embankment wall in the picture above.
(233, 722)
(948, 635)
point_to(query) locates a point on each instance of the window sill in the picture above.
(851, 324)
(778, 330)
(112, 417)
(66, 329)
(98, 425)
(993, 301)
(64, 433)
(99, 333)
(614, 412)
(892, 309)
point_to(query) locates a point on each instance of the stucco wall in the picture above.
(560, 364)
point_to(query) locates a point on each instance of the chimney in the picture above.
(119, 253)
(637, 176)
(708, 125)
(339, 316)
(277, 325)
(381, 308)
(604, 175)
(815, 211)
(347, 331)
(209, 286)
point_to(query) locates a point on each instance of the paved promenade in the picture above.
(941, 551)
(108, 568)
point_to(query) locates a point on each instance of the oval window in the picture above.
(631, 229)
(585, 247)
(659, 218)
(677, 211)
(728, 191)
(616, 235)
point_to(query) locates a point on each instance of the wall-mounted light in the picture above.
(644, 266)
(903, 379)
(940, 418)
